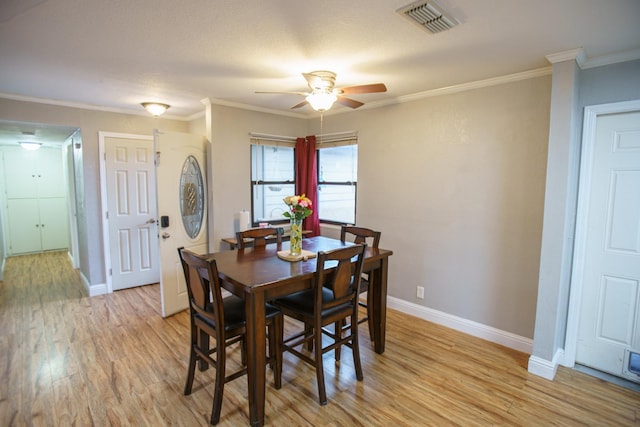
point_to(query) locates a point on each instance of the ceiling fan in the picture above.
(324, 93)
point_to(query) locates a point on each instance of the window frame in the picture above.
(324, 142)
(354, 184)
(253, 183)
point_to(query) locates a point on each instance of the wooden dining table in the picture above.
(258, 275)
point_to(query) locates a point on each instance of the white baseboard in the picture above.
(470, 327)
(93, 290)
(545, 368)
(100, 289)
(72, 260)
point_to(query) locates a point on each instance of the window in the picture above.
(272, 178)
(337, 183)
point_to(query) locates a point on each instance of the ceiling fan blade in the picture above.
(349, 102)
(300, 104)
(372, 88)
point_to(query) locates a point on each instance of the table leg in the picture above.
(379, 288)
(256, 356)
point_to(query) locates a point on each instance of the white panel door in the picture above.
(20, 173)
(131, 201)
(24, 226)
(173, 149)
(51, 179)
(609, 325)
(54, 223)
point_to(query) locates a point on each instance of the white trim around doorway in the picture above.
(103, 198)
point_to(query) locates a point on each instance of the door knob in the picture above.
(166, 235)
(151, 221)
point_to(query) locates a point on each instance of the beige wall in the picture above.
(456, 185)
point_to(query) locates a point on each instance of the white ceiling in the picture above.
(115, 54)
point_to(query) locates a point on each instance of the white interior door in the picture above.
(609, 325)
(182, 206)
(54, 223)
(131, 210)
(23, 218)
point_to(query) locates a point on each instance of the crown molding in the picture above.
(214, 101)
(473, 85)
(597, 61)
(577, 55)
(83, 106)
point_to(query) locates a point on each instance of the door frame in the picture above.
(591, 114)
(74, 142)
(102, 150)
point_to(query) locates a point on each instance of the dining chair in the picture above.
(332, 300)
(223, 319)
(258, 236)
(372, 239)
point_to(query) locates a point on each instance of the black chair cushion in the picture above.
(302, 302)
(234, 316)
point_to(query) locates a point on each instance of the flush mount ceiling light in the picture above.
(31, 146)
(321, 100)
(155, 108)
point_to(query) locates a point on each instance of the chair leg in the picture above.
(322, 394)
(369, 312)
(308, 331)
(203, 343)
(355, 349)
(218, 391)
(338, 335)
(275, 331)
(191, 370)
(243, 351)
(270, 350)
(279, 327)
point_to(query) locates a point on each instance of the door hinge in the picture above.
(110, 272)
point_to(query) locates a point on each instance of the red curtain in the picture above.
(307, 179)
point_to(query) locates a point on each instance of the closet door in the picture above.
(30, 174)
(54, 225)
(37, 215)
(24, 229)
(20, 173)
(49, 172)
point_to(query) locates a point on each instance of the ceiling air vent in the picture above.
(428, 15)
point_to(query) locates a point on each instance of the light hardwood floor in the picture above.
(67, 359)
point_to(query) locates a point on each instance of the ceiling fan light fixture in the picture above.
(155, 108)
(30, 146)
(321, 101)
